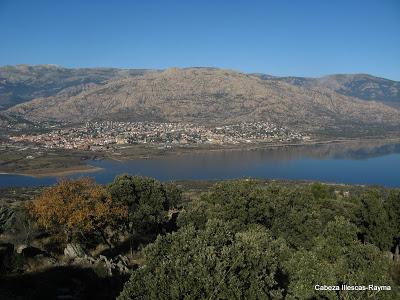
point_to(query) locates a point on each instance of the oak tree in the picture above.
(77, 208)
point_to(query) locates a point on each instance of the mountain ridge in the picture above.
(359, 85)
(22, 83)
(213, 96)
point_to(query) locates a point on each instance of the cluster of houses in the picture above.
(95, 135)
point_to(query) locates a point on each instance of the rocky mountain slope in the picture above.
(22, 83)
(214, 96)
(362, 86)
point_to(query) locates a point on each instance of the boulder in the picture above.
(74, 251)
(117, 265)
(21, 248)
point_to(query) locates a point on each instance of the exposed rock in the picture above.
(74, 251)
(214, 96)
(22, 83)
(20, 248)
(361, 86)
(6, 218)
(117, 265)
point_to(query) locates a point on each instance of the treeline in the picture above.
(242, 239)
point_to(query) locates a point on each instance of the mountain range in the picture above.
(22, 83)
(362, 86)
(338, 104)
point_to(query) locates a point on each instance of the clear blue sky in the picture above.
(305, 38)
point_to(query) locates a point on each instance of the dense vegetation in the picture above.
(243, 239)
(75, 209)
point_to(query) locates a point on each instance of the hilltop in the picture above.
(214, 96)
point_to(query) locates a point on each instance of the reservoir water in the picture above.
(353, 163)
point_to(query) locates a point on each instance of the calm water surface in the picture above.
(358, 163)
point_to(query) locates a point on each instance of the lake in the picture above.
(375, 163)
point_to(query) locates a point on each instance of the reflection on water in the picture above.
(351, 162)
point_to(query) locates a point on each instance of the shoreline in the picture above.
(71, 171)
(245, 147)
(157, 153)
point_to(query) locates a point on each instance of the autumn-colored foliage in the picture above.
(77, 207)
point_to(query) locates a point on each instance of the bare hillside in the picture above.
(213, 96)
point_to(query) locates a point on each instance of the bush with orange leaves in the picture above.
(77, 208)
